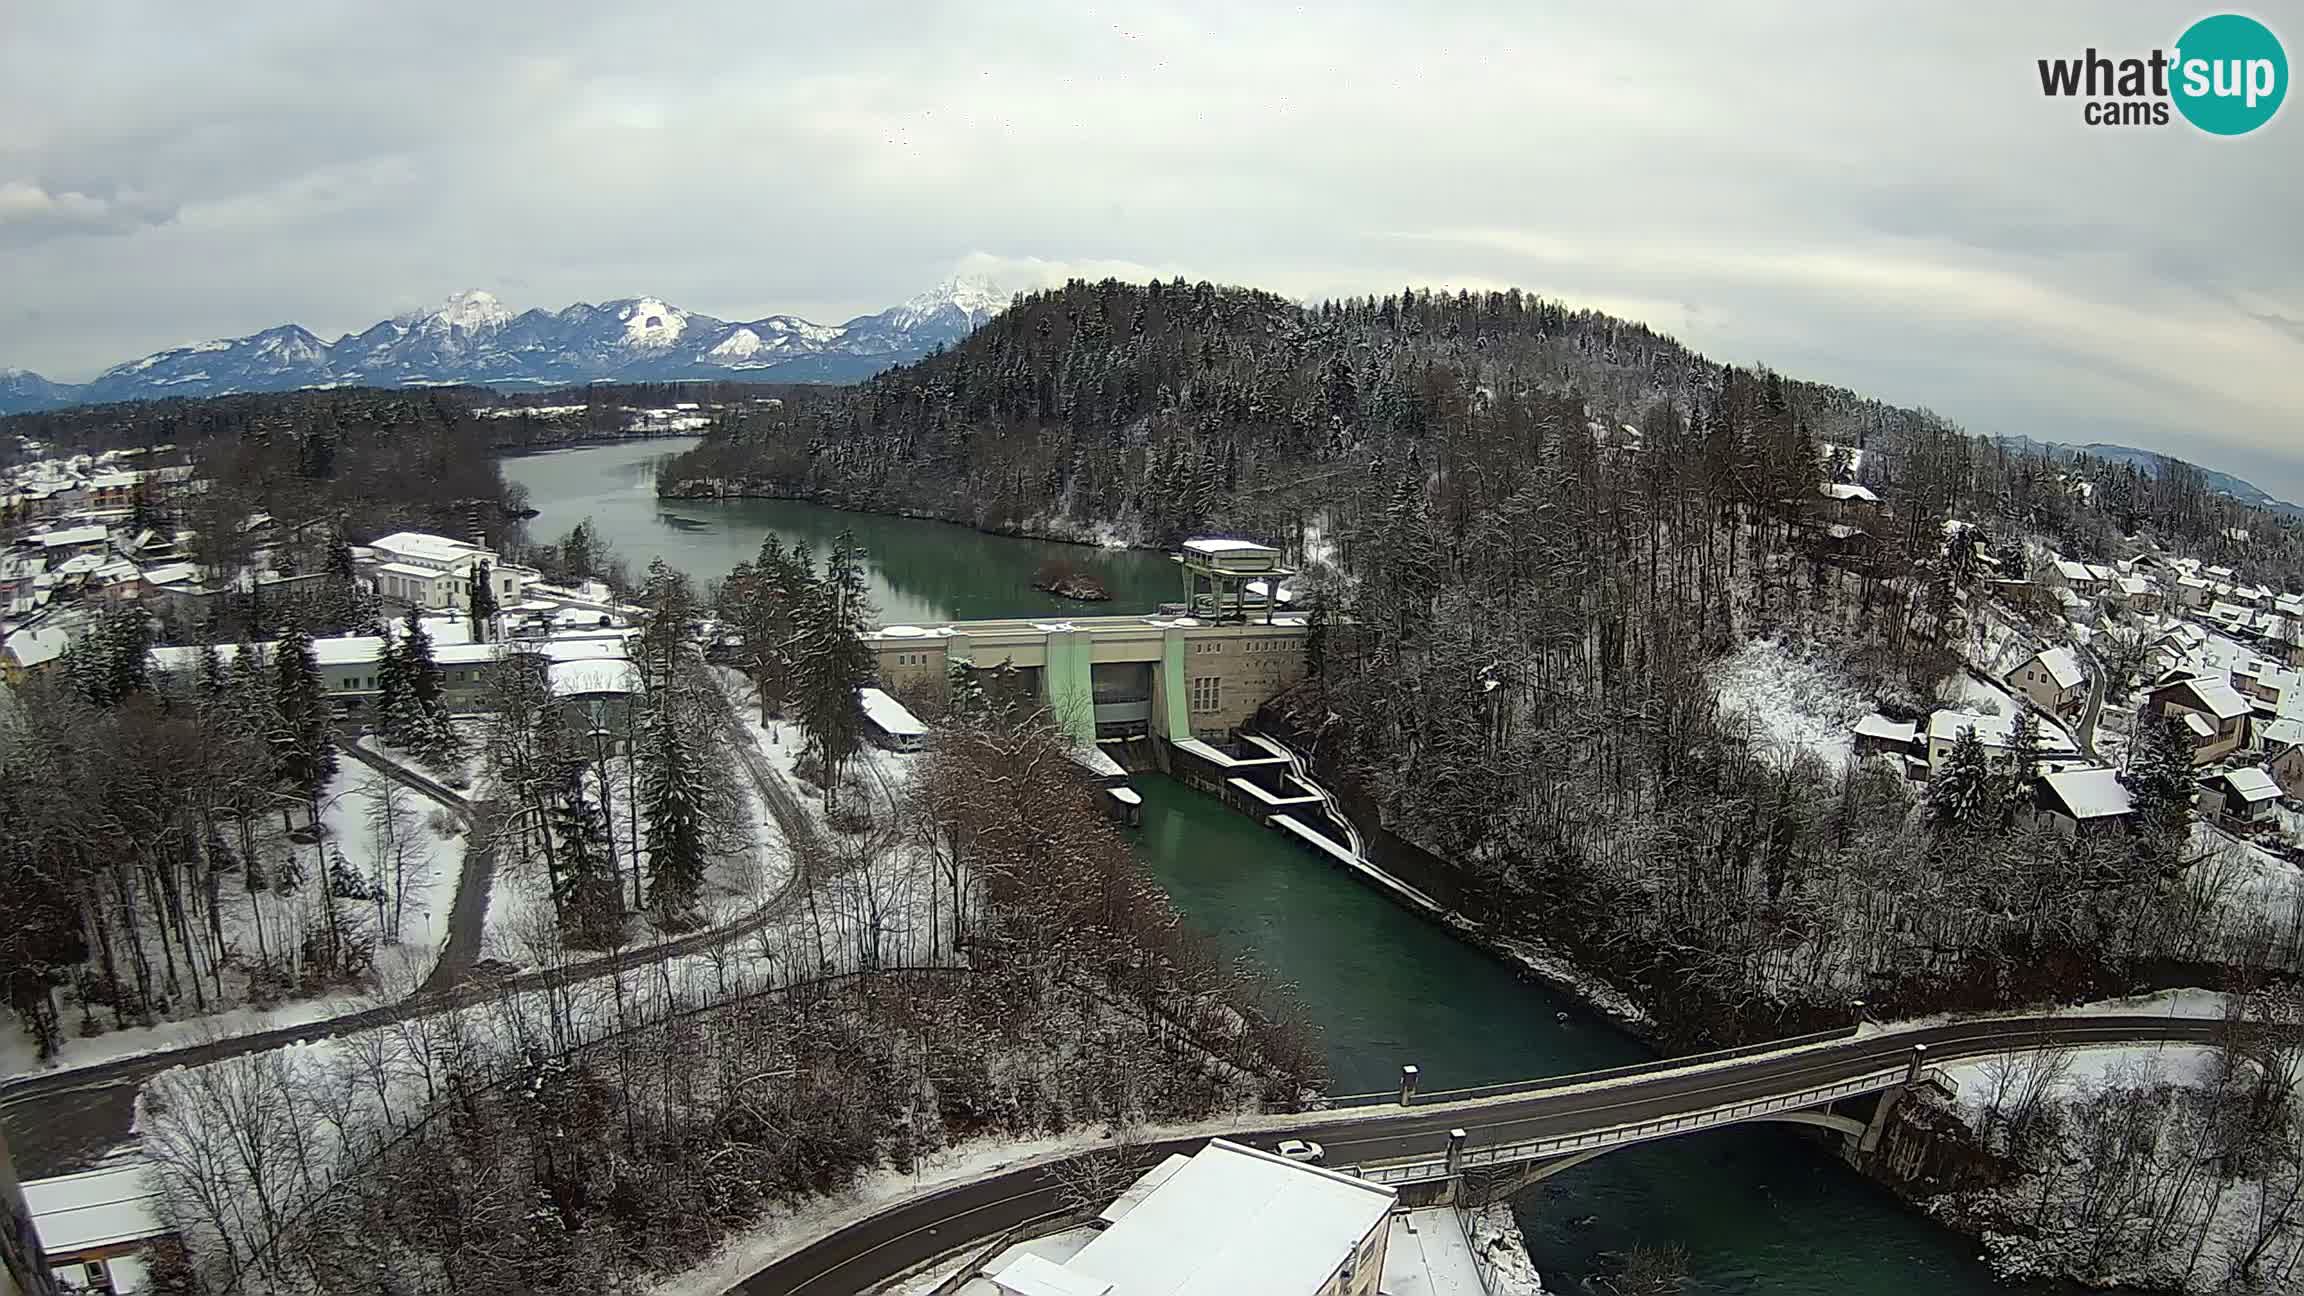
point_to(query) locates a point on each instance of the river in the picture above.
(1758, 1210)
(920, 571)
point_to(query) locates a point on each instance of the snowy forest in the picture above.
(1532, 530)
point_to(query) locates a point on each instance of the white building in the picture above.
(413, 569)
(1226, 1221)
(93, 1226)
(2052, 679)
(1996, 733)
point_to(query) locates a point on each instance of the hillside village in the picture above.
(2098, 654)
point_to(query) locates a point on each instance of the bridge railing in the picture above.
(1573, 1079)
(1544, 1149)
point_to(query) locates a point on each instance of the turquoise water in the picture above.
(1759, 1210)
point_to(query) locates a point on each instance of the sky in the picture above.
(1870, 194)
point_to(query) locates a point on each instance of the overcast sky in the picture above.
(1869, 194)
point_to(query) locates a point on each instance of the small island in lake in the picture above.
(1066, 580)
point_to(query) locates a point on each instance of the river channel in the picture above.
(1757, 1210)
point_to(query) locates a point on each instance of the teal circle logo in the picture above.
(2229, 74)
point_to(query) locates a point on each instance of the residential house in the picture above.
(2213, 713)
(1877, 734)
(1995, 733)
(2241, 798)
(95, 1226)
(2052, 680)
(2194, 592)
(31, 649)
(1849, 502)
(2075, 802)
(1227, 1220)
(2282, 743)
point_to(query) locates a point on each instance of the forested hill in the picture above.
(1533, 602)
(1148, 411)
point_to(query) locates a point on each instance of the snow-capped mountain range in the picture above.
(477, 339)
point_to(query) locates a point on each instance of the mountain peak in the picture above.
(472, 310)
(474, 338)
(975, 294)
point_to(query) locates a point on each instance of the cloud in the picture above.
(30, 212)
(1885, 203)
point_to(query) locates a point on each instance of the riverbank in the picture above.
(1096, 536)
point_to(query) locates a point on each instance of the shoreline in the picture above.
(695, 489)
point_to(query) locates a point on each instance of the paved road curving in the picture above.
(59, 1121)
(912, 1232)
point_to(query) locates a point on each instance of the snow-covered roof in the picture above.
(1213, 546)
(38, 646)
(2252, 784)
(1232, 1220)
(2073, 571)
(1849, 491)
(2062, 666)
(96, 1208)
(426, 547)
(171, 573)
(2218, 697)
(2199, 725)
(1034, 1275)
(1991, 730)
(2088, 793)
(585, 678)
(1879, 726)
(2284, 732)
(889, 715)
(409, 569)
(72, 536)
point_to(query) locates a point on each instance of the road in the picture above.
(911, 1232)
(468, 915)
(59, 1121)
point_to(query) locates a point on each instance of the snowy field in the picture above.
(411, 870)
(1789, 703)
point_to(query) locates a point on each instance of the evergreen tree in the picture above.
(483, 601)
(584, 886)
(113, 660)
(675, 812)
(420, 719)
(392, 691)
(2022, 763)
(2159, 783)
(1965, 794)
(304, 752)
(833, 661)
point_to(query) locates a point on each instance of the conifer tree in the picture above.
(584, 885)
(1964, 795)
(482, 603)
(2159, 783)
(833, 661)
(675, 811)
(2022, 763)
(305, 752)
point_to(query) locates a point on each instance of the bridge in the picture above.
(1492, 1140)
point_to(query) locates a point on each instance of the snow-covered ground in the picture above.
(1789, 702)
(2083, 1070)
(269, 923)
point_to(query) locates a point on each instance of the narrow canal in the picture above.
(1759, 1210)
